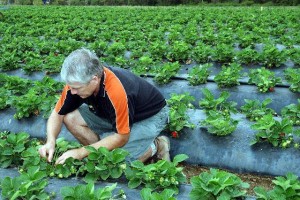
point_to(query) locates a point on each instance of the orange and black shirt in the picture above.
(123, 99)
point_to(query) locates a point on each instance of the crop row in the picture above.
(33, 97)
(30, 98)
(35, 54)
(161, 179)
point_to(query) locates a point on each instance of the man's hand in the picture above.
(47, 151)
(78, 153)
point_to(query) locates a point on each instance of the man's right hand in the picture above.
(47, 151)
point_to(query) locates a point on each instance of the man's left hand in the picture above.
(78, 153)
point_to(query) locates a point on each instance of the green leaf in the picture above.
(179, 158)
(146, 194)
(5, 163)
(11, 138)
(105, 193)
(67, 191)
(93, 156)
(116, 172)
(134, 183)
(90, 166)
(22, 137)
(90, 149)
(137, 164)
(105, 174)
(261, 193)
(90, 177)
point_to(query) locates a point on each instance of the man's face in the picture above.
(85, 90)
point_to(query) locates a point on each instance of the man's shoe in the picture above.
(163, 148)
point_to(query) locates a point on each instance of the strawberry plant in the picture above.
(9, 61)
(284, 188)
(52, 89)
(29, 185)
(247, 56)
(216, 185)
(41, 95)
(120, 61)
(157, 49)
(178, 121)
(11, 147)
(178, 118)
(27, 104)
(218, 124)
(102, 163)
(247, 39)
(52, 62)
(175, 33)
(272, 57)
(225, 37)
(70, 167)
(33, 62)
(178, 51)
(145, 61)
(116, 49)
(88, 191)
(4, 94)
(166, 72)
(278, 133)
(223, 53)
(292, 112)
(68, 45)
(143, 66)
(209, 37)
(14, 84)
(264, 79)
(99, 47)
(219, 104)
(228, 76)
(176, 100)
(295, 55)
(156, 176)
(44, 47)
(202, 53)
(286, 40)
(166, 194)
(199, 74)
(48, 105)
(293, 78)
(136, 53)
(31, 157)
(255, 110)
(190, 34)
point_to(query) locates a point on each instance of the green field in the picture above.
(38, 38)
(167, 44)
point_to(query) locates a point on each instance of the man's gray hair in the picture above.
(80, 66)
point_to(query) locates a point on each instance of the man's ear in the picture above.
(96, 78)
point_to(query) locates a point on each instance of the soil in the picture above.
(252, 179)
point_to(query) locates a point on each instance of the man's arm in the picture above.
(110, 142)
(54, 125)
